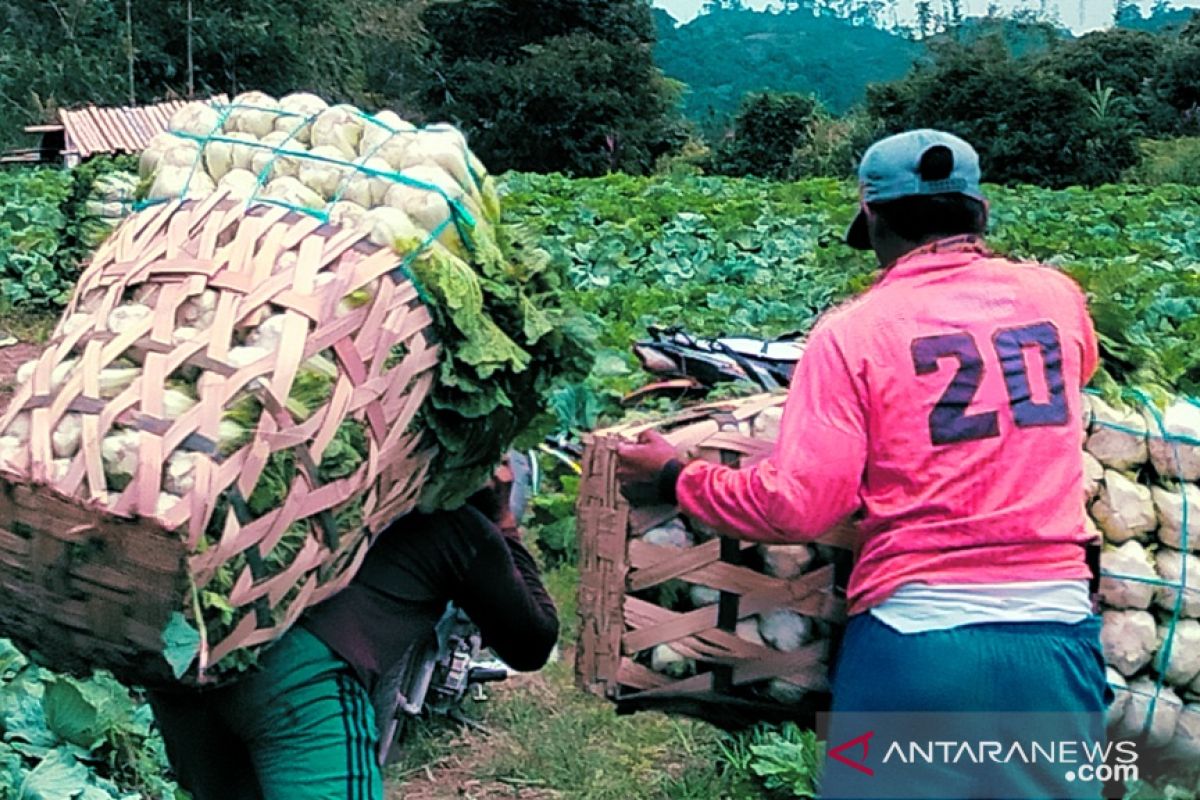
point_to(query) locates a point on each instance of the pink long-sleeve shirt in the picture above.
(943, 405)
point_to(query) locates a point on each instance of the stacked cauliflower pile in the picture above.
(1141, 465)
(375, 171)
(109, 201)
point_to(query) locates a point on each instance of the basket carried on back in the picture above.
(245, 386)
(676, 619)
(96, 573)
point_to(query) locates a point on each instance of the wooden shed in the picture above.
(81, 133)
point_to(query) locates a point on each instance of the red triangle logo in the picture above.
(861, 766)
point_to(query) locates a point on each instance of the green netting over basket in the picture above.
(1143, 462)
(496, 300)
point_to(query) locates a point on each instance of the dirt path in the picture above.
(455, 775)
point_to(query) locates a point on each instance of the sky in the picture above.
(1096, 13)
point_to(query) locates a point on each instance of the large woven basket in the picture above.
(622, 620)
(93, 580)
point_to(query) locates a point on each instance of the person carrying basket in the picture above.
(943, 407)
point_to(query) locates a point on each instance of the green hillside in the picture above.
(724, 54)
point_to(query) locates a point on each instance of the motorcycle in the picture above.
(692, 366)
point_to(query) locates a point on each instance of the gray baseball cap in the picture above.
(891, 169)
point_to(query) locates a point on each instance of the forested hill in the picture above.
(723, 54)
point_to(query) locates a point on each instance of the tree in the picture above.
(767, 131)
(926, 23)
(550, 85)
(1176, 84)
(1029, 124)
(1127, 12)
(1128, 63)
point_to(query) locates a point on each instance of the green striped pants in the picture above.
(300, 727)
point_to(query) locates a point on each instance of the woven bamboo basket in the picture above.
(93, 577)
(624, 614)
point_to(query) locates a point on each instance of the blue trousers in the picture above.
(1007, 681)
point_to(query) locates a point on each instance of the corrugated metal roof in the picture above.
(126, 129)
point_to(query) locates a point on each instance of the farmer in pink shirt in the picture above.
(943, 408)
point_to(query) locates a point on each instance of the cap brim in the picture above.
(858, 235)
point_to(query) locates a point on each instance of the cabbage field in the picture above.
(714, 255)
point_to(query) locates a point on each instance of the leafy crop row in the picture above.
(715, 255)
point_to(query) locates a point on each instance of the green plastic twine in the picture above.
(1164, 655)
(203, 143)
(462, 219)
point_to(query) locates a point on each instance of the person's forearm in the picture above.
(757, 504)
(510, 605)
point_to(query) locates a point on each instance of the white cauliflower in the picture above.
(290, 190)
(268, 334)
(387, 138)
(1169, 503)
(1184, 664)
(1171, 458)
(365, 188)
(1111, 441)
(703, 595)
(256, 115)
(197, 311)
(19, 427)
(276, 162)
(1137, 710)
(339, 127)
(670, 534)
(1124, 510)
(241, 183)
(786, 560)
(324, 176)
(1170, 564)
(179, 473)
(119, 452)
(668, 661)
(1132, 560)
(66, 437)
(785, 630)
(391, 227)
(300, 109)
(195, 118)
(172, 182)
(784, 692)
(1129, 638)
(346, 214)
(128, 316)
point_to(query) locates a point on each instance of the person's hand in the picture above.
(641, 462)
(501, 485)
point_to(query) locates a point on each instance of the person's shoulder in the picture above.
(1044, 278)
(846, 316)
(460, 524)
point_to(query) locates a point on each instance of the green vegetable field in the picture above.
(715, 255)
